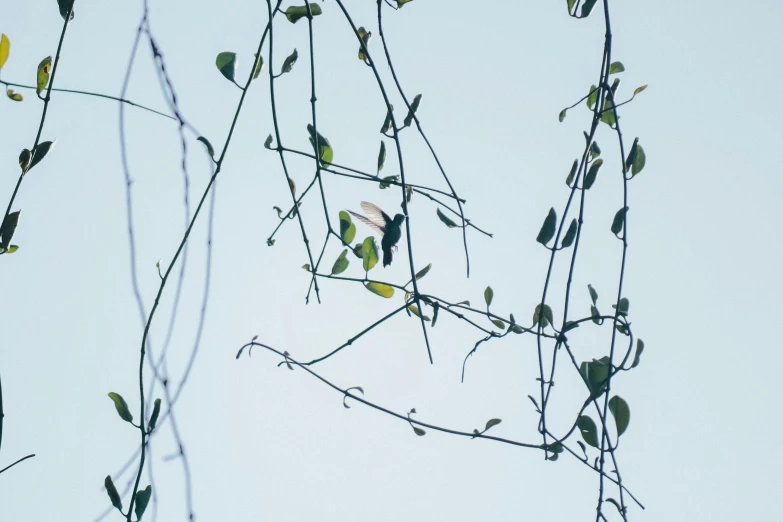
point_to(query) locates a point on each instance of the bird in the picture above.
(389, 229)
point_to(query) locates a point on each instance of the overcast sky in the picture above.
(264, 443)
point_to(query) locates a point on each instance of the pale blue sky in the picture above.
(264, 443)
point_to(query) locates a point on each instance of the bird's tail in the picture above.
(387, 257)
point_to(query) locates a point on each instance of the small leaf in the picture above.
(380, 289)
(639, 89)
(489, 294)
(570, 235)
(586, 425)
(365, 36)
(415, 310)
(401, 3)
(341, 264)
(114, 496)
(613, 501)
(8, 228)
(387, 123)
(446, 221)
(593, 294)
(621, 413)
(418, 431)
(259, 66)
(639, 161)
(13, 95)
(268, 142)
(570, 325)
(543, 319)
(24, 159)
(592, 173)
(595, 374)
(571, 173)
(619, 221)
(40, 151)
(295, 13)
(624, 305)
(326, 153)
(562, 115)
(155, 413)
(381, 156)
(5, 49)
(292, 186)
(289, 62)
(208, 145)
(65, 6)
(491, 423)
(42, 77)
(595, 315)
(12, 249)
(421, 273)
(226, 63)
(121, 407)
(571, 4)
(357, 250)
(142, 499)
(412, 111)
(595, 150)
(306, 267)
(607, 112)
(592, 97)
(547, 231)
(616, 67)
(637, 356)
(347, 227)
(435, 309)
(587, 7)
(500, 324)
(369, 253)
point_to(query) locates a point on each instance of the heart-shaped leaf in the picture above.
(226, 63)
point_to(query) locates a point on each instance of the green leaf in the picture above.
(8, 228)
(435, 309)
(621, 413)
(571, 4)
(292, 186)
(295, 13)
(446, 221)
(421, 273)
(595, 374)
(365, 36)
(592, 97)
(616, 67)
(587, 7)
(571, 173)
(380, 289)
(114, 496)
(326, 153)
(5, 49)
(544, 319)
(357, 250)
(638, 163)
(500, 324)
(418, 431)
(381, 156)
(570, 235)
(208, 145)
(592, 173)
(289, 62)
(121, 407)
(401, 3)
(347, 227)
(387, 123)
(25, 157)
(13, 95)
(637, 356)
(588, 429)
(562, 115)
(154, 416)
(40, 151)
(369, 253)
(142, 499)
(607, 113)
(595, 315)
(384, 184)
(412, 111)
(624, 305)
(595, 150)
(42, 77)
(488, 295)
(491, 423)
(259, 66)
(341, 264)
(226, 63)
(268, 142)
(65, 6)
(547, 231)
(570, 325)
(415, 310)
(639, 89)
(619, 221)
(11, 249)
(593, 294)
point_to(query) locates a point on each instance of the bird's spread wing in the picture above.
(376, 215)
(367, 222)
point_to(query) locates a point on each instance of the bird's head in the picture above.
(398, 219)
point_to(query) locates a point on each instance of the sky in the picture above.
(264, 443)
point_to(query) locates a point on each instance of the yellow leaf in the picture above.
(42, 79)
(5, 48)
